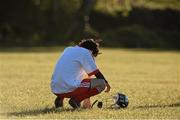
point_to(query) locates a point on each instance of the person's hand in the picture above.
(108, 87)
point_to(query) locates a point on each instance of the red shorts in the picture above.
(82, 92)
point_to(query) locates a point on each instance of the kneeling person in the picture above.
(68, 76)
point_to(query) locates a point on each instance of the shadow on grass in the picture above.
(158, 106)
(36, 112)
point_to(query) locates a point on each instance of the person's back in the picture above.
(71, 69)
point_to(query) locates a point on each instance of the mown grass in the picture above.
(150, 79)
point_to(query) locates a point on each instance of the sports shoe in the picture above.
(58, 102)
(74, 103)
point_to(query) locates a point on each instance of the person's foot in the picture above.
(74, 103)
(58, 102)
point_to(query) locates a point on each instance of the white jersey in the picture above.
(74, 63)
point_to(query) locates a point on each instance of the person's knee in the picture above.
(101, 86)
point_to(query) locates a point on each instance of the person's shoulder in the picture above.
(69, 48)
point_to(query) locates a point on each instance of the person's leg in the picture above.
(96, 87)
(98, 83)
(82, 90)
(58, 102)
(88, 88)
(84, 87)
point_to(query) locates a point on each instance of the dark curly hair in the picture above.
(90, 44)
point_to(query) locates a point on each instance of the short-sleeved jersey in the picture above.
(74, 63)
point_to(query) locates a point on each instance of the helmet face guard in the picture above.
(119, 101)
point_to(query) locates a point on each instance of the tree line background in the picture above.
(119, 23)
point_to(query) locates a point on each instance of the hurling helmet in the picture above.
(121, 100)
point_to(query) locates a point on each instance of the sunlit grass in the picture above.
(150, 79)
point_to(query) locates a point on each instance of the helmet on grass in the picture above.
(121, 100)
(116, 101)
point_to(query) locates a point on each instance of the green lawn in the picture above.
(151, 80)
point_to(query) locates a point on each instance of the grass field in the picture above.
(151, 80)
